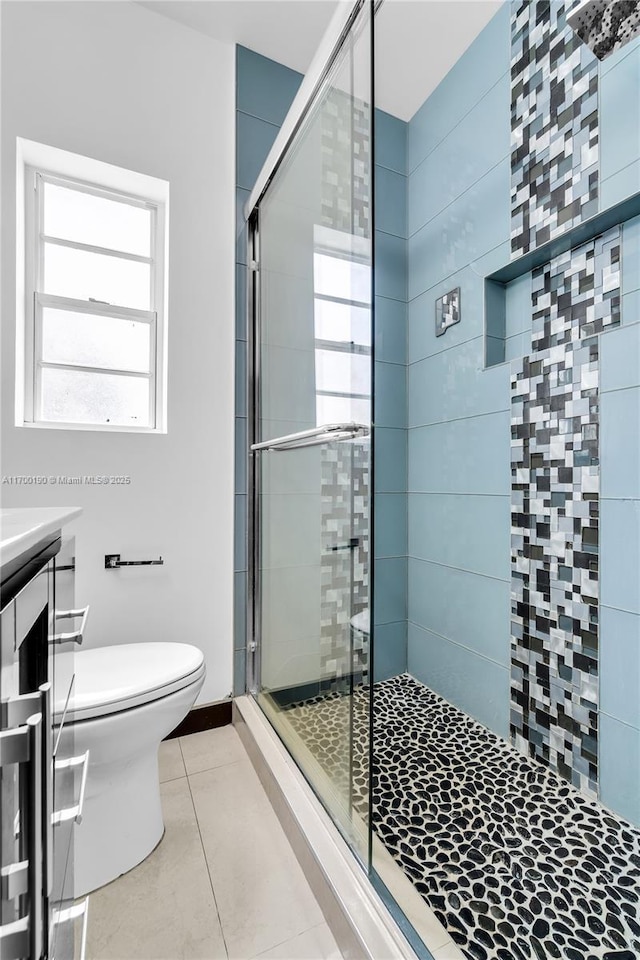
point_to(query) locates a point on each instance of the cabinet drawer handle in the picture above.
(74, 812)
(69, 915)
(74, 636)
(24, 744)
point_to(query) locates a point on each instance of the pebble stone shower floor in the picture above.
(515, 863)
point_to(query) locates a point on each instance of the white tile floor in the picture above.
(223, 882)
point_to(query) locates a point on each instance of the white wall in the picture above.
(119, 83)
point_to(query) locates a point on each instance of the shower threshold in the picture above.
(514, 862)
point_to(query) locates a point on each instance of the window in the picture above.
(342, 318)
(94, 333)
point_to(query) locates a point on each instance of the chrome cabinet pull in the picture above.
(36, 838)
(47, 794)
(71, 914)
(14, 939)
(74, 812)
(16, 711)
(24, 745)
(14, 880)
(74, 636)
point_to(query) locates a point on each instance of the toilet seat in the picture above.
(116, 678)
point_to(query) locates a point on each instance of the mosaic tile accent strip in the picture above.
(606, 25)
(555, 510)
(515, 863)
(554, 125)
(344, 652)
(447, 311)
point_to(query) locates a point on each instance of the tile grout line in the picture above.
(281, 943)
(204, 854)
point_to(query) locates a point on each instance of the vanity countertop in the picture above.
(24, 527)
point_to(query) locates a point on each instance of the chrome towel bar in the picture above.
(112, 561)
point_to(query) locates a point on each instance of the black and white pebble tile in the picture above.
(515, 862)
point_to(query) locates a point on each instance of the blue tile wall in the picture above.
(391, 394)
(478, 623)
(390, 653)
(471, 77)
(620, 532)
(391, 589)
(620, 767)
(390, 400)
(456, 168)
(619, 449)
(391, 142)
(391, 330)
(620, 359)
(469, 532)
(470, 455)
(254, 139)
(447, 668)
(620, 126)
(391, 266)
(620, 665)
(391, 525)
(458, 412)
(620, 549)
(391, 460)
(434, 385)
(391, 201)
(264, 88)
(471, 226)
(239, 610)
(631, 266)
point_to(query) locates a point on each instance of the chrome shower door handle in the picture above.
(327, 433)
(73, 636)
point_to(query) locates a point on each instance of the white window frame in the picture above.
(28, 413)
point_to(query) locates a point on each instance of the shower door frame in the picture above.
(254, 594)
(311, 88)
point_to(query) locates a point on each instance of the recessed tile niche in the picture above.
(507, 319)
(507, 292)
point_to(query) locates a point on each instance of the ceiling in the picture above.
(288, 31)
(417, 41)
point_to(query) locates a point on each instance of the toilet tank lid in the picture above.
(121, 672)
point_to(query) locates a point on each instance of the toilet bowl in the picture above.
(124, 700)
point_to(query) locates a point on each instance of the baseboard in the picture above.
(203, 718)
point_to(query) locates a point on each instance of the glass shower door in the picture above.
(312, 356)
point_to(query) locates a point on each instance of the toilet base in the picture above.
(122, 814)
(121, 823)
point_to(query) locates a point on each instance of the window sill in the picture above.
(91, 427)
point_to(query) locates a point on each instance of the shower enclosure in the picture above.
(443, 293)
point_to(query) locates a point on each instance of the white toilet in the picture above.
(125, 699)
